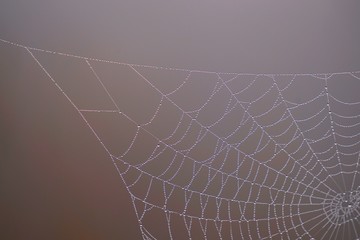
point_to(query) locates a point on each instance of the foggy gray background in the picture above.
(56, 182)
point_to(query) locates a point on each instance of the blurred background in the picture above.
(56, 181)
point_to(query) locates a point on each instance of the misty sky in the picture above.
(56, 179)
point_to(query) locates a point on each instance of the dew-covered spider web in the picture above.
(208, 155)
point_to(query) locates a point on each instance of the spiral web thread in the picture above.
(208, 155)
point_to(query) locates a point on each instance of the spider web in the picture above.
(207, 155)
